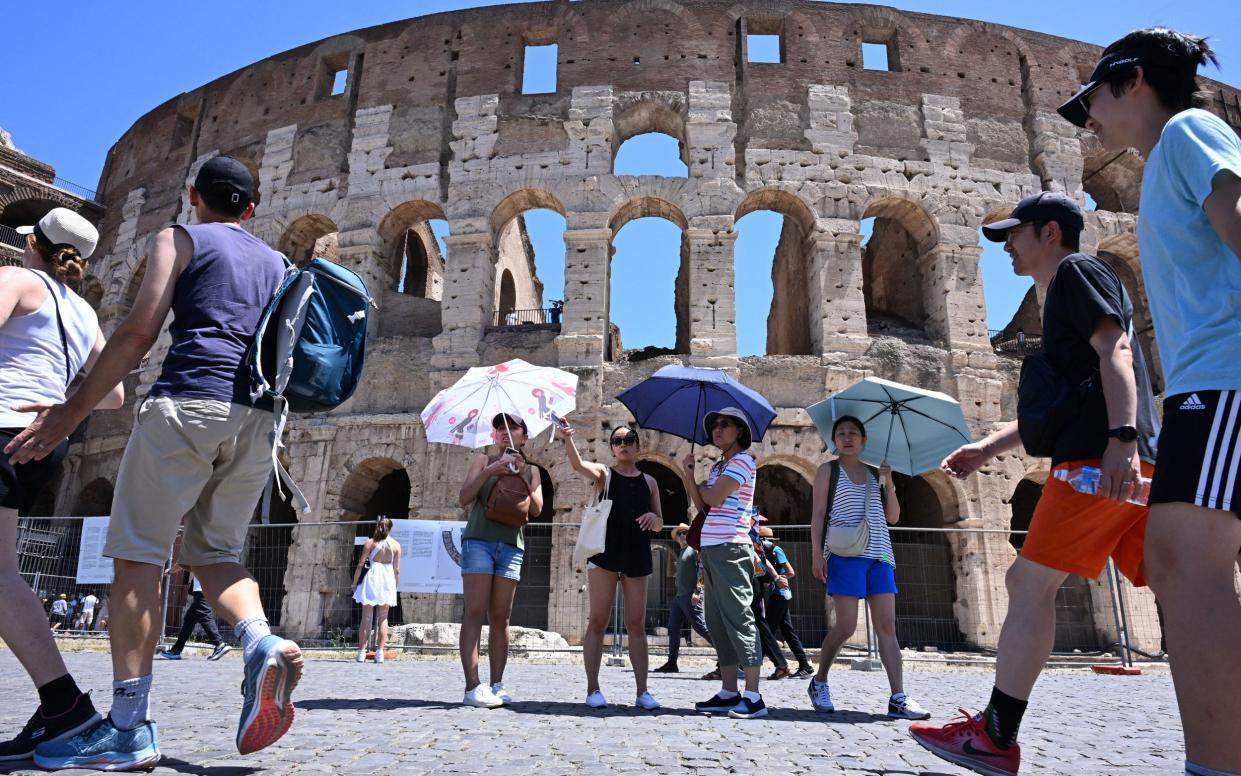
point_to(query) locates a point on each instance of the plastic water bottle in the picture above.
(1085, 479)
(785, 593)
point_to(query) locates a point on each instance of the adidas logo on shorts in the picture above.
(1192, 402)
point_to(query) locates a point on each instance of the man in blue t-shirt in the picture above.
(1144, 94)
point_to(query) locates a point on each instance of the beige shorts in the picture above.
(203, 460)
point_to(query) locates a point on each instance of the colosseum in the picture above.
(362, 140)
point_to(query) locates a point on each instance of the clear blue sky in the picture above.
(81, 72)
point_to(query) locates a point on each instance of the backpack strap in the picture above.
(831, 494)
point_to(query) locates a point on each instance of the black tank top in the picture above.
(627, 547)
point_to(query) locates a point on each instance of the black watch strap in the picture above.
(1123, 433)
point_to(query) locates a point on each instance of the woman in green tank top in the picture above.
(491, 555)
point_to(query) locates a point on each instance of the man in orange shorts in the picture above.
(1086, 319)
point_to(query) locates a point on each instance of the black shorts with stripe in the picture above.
(1199, 458)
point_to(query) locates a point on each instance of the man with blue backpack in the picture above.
(201, 451)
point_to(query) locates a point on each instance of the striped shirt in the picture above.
(847, 509)
(730, 522)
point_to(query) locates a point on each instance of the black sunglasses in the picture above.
(631, 441)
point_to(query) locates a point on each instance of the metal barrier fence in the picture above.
(10, 237)
(951, 581)
(75, 189)
(537, 317)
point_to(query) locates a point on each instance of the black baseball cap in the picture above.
(226, 183)
(1042, 207)
(1075, 111)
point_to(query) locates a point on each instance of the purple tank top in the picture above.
(216, 306)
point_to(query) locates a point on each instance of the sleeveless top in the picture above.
(32, 358)
(478, 526)
(216, 305)
(848, 506)
(375, 551)
(627, 548)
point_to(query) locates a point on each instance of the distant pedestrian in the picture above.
(764, 575)
(1144, 94)
(48, 335)
(685, 608)
(377, 591)
(491, 557)
(626, 559)
(86, 619)
(197, 614)
(852, 494)
(726, 499)
(780, 599)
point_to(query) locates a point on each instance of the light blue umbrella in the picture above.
(912, 429)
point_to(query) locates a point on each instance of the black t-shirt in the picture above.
(1082, 293)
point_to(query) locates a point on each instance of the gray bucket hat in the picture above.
(747, 436)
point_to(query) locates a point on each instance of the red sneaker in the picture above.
(966, 743)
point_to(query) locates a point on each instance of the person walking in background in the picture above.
(1086, 316)
(780, 599)
(726, 500)
(765, 574)
(626, 559)
(378, 589)
(87, 618)
(200, 452)
(1144, 94)
(197, 613)
(846, 493)
(685, 608)
(48, 334)
(491, 556)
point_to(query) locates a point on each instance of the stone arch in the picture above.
(783, 493)
(896, 265)
(507, 294)
(517, 202)
(410, 250)
(25, 205)
(360, 481)
(1075, 625)
(966, 29)
(925, 567)
(690, 27)
(788, 318)
(622, 214)
(308, 236)
(887, 25)
(93, 500)
(650, 115)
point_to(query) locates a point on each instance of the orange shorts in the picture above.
(1076, 532)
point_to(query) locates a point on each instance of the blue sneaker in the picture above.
(272, 671)
(103, 747)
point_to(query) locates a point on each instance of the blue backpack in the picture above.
(309, 347)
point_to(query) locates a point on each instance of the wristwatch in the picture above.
(1124, 433)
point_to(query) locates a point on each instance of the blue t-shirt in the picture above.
(1193, 280)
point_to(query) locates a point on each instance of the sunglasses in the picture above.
(625, 441)
(723, 423)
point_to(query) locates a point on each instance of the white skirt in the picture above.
(378, 587)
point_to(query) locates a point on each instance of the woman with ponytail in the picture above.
(48, 334)
(378, 589)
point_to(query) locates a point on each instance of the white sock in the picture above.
(251, 630)
(131, 702)
(752, 696)
(728, 695)
(898, 697)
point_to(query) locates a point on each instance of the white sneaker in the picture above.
(482, 697)
(820, 696)
(498, 690)
(379, 656)
(596, 700)
(361, 656)
(903, 707)
(647, 701)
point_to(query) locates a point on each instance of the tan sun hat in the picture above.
(681, 528)
(766, 533)
(62, 226)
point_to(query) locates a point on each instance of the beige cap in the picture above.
(62, 226)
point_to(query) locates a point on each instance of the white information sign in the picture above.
(93, 567)
(430, 555)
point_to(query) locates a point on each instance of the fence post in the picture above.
(616, 658)
(1118, 614)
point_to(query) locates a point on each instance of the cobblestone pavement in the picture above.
(404, 717)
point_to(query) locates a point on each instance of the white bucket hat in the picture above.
(62, 226)
(746, 439)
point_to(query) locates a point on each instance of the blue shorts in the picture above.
(859, 577)
(498, 559)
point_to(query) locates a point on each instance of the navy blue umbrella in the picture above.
(676, 398)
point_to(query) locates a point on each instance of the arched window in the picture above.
(649, 289)
(529, 230)
(773, 275)
(311, 236)
(899, 239)
(651, 153)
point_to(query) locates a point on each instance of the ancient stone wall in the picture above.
(432, 125)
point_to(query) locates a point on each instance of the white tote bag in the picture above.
(593, 534)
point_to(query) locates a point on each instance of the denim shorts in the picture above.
(859, 577)
(479, 556)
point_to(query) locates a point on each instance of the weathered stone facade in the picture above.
(432, 125)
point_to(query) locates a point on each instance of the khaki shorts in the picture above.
(203, 460)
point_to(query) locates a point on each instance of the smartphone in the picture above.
(559, 422)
